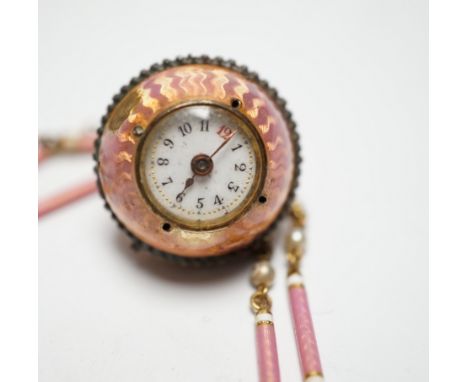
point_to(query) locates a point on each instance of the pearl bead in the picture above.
(297, 236)
(262, 274)
(296, 239)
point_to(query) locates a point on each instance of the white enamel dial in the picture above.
(200, 165)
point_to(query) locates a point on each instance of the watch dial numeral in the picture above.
(163, 161)
(180, 197)
(204, 125)
(200, 204)
(169, 180)
(233, 187)
(225, 132)
(237, 147)
(168, 143)
(218, 200)
(240, 167)
(185, 129)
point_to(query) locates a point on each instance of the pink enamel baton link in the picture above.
(267, 352)
(304, 330)
(261, 277)
(50, 147)
(306, 341)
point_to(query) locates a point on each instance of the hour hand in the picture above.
(189, 182)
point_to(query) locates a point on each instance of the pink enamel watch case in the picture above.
(197, 158)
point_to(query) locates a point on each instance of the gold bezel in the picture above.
(242, 208)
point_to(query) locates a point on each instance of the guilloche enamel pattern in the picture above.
(135, 115)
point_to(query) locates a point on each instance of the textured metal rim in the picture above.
(259, 243)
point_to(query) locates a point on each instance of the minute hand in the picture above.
(223, 144)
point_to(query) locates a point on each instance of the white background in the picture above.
(355, 75)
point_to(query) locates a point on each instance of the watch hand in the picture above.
(189, 182)
(223, 144)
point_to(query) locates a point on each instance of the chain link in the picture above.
(260, 302)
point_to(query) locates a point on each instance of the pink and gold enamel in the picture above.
(267, 353)
(305, 335)
(145, 102)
